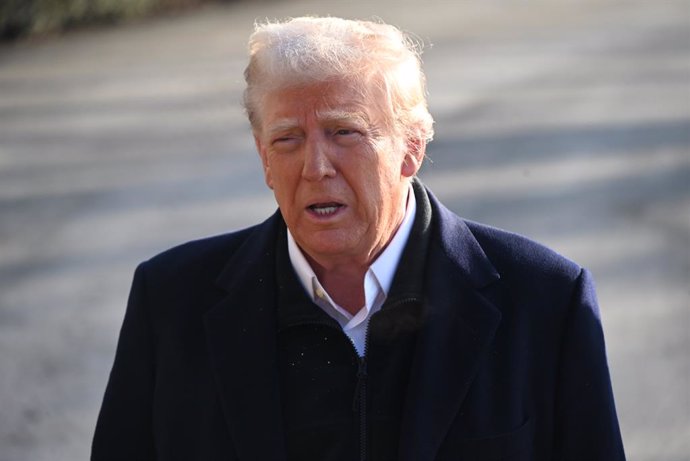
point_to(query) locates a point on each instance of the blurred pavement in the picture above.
(565, 121)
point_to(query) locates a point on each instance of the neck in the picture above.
(344, 284)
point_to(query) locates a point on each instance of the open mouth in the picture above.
(325, 209)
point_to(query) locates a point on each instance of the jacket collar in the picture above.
(455, 338)
(408, 281)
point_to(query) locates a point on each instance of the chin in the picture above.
(326, 247)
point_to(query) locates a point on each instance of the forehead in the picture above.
(321, 102)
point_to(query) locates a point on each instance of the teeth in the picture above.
(326, 210)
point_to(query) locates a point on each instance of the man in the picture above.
(364, 320)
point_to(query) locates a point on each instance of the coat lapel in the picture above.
(455, 339)
(461, 323)
(241, 332)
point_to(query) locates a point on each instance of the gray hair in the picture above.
(370, 56)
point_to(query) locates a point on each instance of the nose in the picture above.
(317, 160)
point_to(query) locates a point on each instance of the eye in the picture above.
(285, 138)
(347, 137)
(285, 143)
(345, 132)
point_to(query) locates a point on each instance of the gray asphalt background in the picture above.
(565, 121)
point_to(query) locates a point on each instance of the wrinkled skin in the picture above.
(339, 174)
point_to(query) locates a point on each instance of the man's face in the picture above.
(339, 175)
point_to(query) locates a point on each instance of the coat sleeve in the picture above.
(124, 428)
(587, 425)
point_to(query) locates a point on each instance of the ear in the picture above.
(263, 154)
(414, 156)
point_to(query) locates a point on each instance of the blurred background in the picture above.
(121, 134)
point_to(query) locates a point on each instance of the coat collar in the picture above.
(455, 338)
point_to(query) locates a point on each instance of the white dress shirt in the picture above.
(377, 280)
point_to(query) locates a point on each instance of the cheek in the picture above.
(268, 176)
(281, 171)
(372, 194)
(265, 162)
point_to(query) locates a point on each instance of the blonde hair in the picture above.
(372, 57)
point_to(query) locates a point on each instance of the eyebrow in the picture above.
(284, 124)
(358, 118)
(287, 124)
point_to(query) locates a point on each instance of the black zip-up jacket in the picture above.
(336, 405)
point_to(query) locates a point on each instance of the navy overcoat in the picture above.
(509, 365)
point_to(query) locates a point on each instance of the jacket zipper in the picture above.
(362, 404)
(360, 400)
(361, 395)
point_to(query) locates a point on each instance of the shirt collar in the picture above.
(378, 279)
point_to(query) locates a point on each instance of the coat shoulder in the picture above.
(521, 258)
(516, 259)
(202, 259)
(206, 251)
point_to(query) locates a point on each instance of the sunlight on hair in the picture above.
(374, 58)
